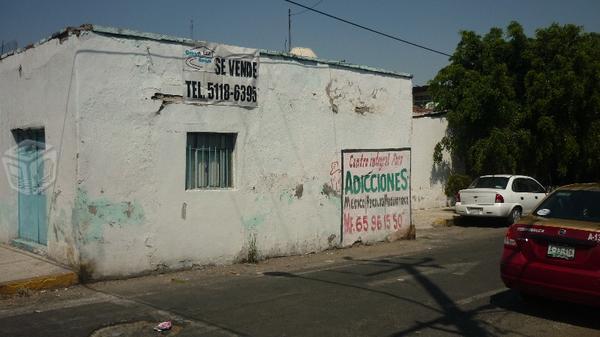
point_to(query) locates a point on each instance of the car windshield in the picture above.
(490, 182)
(571, 204)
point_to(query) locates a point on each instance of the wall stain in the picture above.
(58, 227)
(329, 191)
(8, 215)
(299, 191)
(332, 95)
(55, 197)
(287, 195)
(330, 240)
(362, 109)
(253, 222)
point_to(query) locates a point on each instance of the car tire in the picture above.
(514, 216)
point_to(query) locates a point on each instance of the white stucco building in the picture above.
(428, 178)
(140, 174)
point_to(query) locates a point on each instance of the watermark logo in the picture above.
(30, 167)
(198, 58)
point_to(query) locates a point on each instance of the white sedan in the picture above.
(501, 196)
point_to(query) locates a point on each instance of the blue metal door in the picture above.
(32, 197)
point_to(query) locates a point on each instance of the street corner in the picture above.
(22, 272)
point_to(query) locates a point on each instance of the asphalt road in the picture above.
(445, 288)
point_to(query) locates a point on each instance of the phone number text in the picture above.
(365, 223)
(221, 92)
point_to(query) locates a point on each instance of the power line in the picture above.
(369, 29)
(306, 10)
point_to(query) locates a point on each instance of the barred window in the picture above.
(209, 160)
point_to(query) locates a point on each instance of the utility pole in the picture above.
(192, 29)
(289, 30)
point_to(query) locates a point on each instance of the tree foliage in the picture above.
(524, 105)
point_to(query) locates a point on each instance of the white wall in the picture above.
(128, 211)
(37, 90)
(428, 180)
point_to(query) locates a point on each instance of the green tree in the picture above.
(524, 105)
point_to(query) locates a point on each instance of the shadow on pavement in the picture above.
(465, 323)
(565, 312)
(455, 320)
(480, 222)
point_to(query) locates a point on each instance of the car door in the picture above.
(537, 192)
(521, 194)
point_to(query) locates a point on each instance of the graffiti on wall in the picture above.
(375, 194)
(335, 177)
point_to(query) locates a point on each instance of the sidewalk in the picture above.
(433, 217)
(22, 271)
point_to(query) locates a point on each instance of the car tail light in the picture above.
(457, 197)
(499, 199)
(510, 240)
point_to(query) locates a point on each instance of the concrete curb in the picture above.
(58, 276)
(39, 283)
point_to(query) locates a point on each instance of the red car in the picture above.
(555, 252)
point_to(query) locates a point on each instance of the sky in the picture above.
(264, 24)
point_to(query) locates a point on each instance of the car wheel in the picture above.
(514, 216)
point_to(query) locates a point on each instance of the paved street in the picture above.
(445, 283)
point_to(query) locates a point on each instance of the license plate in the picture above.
(473, 210)
(561, 252)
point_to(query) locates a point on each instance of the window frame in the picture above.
(228, 144)
(504, 180)
(519, 185)
(535, 187)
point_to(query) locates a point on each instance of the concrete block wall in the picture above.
(428, 179)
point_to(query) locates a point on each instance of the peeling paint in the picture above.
(92, 216)
(274, 156)
(166, 99)
(346, 95)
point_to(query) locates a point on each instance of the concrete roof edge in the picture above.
(57, 35)
(168, 38)
(335, 63)
(429, 114)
